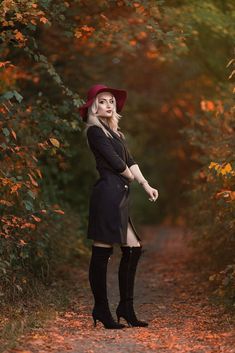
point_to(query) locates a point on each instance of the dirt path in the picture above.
(169, 295)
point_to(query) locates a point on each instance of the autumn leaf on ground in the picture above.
(54, 142)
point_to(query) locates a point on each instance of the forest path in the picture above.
(169, 294)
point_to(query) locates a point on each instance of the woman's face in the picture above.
(105, 105)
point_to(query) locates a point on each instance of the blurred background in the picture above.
(176, 60)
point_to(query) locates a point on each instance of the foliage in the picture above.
(39, 121)
(224, 283)
(171, 58)
(212, 198)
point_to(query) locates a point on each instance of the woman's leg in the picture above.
(131, 237)
(100, 256)
(104, 245)
(131, 253)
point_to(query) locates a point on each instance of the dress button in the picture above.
(126, 186)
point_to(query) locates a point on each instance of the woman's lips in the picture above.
(109, 111)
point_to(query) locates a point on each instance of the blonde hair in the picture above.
(93, 119)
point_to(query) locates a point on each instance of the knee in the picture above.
(101, 244)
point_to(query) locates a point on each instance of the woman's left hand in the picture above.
(153, 193)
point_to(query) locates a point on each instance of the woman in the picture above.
(109, 220)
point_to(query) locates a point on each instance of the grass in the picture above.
(34, 311)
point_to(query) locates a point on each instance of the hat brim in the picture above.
(119, 94)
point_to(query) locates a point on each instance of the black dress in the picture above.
(109, 200)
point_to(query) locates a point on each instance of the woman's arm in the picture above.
(136, 173)
(99, 141)
(128, 174)
(135, 170)
(153, 193)
(130, 162)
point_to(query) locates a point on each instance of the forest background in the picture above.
(175, 59)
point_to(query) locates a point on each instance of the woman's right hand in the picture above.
(153, 193)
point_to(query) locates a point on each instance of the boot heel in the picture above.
(108, 322)
(126, 276)
(98, 277)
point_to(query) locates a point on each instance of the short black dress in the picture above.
(109, 200)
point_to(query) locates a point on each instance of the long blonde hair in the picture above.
(93, 119)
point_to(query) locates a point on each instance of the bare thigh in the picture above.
(131, 237)
(103, 245)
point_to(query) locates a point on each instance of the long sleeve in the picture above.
(99, 141)
(130, 159)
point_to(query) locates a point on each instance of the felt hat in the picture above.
(119, 94)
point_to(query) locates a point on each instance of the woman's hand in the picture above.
(153, 193)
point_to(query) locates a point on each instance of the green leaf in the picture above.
(31, 194)
(8, 95)
(6, 131)
(18, 96)
(43, 58)
(28, 205)
(31, 26)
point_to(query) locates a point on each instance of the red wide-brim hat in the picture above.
(119, 94)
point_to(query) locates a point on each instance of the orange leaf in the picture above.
(78, 34)
(13, 133)
(15, 187)
(28, 225)
(54, 142)
(140, 9)
(7, 203)
(39, 173)
(59, 211)
(22, 242)
(207, 105)
(3, 63)
(35, 158)
(87, 28)
(141, 35)
(19, 36)
(43, 20)
(37, 219)
(32, 180)
(132, 42)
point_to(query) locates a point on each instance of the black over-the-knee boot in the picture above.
(97, 278)
(126, 276)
